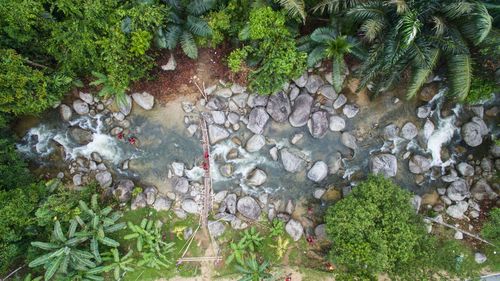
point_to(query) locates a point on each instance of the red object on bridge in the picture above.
(288, 278)
(132, 140)
(120, 136)
(205, 155)
(205, 166)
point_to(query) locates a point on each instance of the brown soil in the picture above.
(166, 85)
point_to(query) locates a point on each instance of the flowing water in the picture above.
(163, 139)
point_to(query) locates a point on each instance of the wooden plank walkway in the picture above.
(207, 177)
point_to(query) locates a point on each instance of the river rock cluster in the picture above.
(87, 168)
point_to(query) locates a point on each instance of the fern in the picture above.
(316, 55)
(459, 75)
(188, 45)
(479, 25)
(172, 36)
(198, 7)
(198, 26)
(420, 75)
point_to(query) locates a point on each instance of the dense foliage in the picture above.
(375, 230)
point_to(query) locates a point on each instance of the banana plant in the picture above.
(277, 228)
(251, 270)
(64, 255)
(97, 223)
(252, 239)
(157, 259)
(237, 252)
(119, 265)
(281, 246)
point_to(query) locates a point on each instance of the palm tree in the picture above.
(327, 43)
(119, 265)
(294, 8)
(97, 223)
(415, 35)
(64, 255)
(184, 23)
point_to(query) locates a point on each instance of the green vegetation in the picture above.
(375, 230)
(491, 232)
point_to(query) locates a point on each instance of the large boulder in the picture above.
(66, 112)
(482, 190)
(104, 179)
(409, 131)
(81, 107)
(123, 190)
(217, 133)
(294, 229)
(457, 211)
(419, 164)
(257, 120)
(328, 91)
(257, 100)
(180, 184)
(249, 208)
(144, 100)
(313, 83)
(471, 133)
(291, 161)
(318, 171)
(391, 132)
(385, 164)
(279, 107)
(255, 143)
(302, 80)
(301, 110)
(348, 140)
(465, 169)
(257, 177)
(230, 202)
(458, 190)
(80, 135)
(318, 124)
(337, 123)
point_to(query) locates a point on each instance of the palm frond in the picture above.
(323, 34)
(439, 25)
(172, 36)
(367, 10)
(338, 68)
(294, 8)
(188, 45)
(409, 26)
(459, 75)
(477, 27)
(316, 56)
(420, 75)
(198, 26)
(335, 6)
(401, 6)
(198, 7)
(457, 9)
(372, 28)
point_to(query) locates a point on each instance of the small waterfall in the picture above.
(445, 130)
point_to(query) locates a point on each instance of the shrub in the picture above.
(491, 232)
(13, 169)
(481, 90)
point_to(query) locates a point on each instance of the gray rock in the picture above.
(223, 92)
(409, 131)
(320, 232)
(294, 93)
(471, 134)
(216, 103)
(190, 206)
(291, 161)
(465, 169)
(391, 132)
(119, 116)
(238, 89)
(457, 211)
(495, 150)
(238, 224)
(138, 202)
(419, 164)
(340, 101)
(187, 106)
(178, 168)
(217, 133)
(385, 164)
(255, 143)
(162, 204)
(77, 179)
(279, 107)
(350, 110)
(313, 83)
(486, 165)
(230, 202)
(86, 97)
(104, 179)
(335, 162)
(301, 81)
(66, 112)
(150, 194)
(458, 235)
(318, 193)
(482, 125)
(416, 201)
(428, 129)
(180, 185)
(482, 190)
(301, 110)
(192, 129)
(274, 153)
(479, 258)
(220, 196)
(226, 170)
(240, 100)
(216, 228)
(458, 190)
(81, 107)
(80, 135)
(423, 111)
(257, 177)
(296, 138)
(233, 118)
(171, 64)
(337, 123)
(257, 100)
(96, 157)
(125, 105)
(348, 140)
(257, 120)
(219, 117)
(318, 124)
(318, 172)
(123, 190)
(328, 91)
(294, 229)
(249, 208)
(144, 100)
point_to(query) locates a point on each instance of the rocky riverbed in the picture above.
(306, 143)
